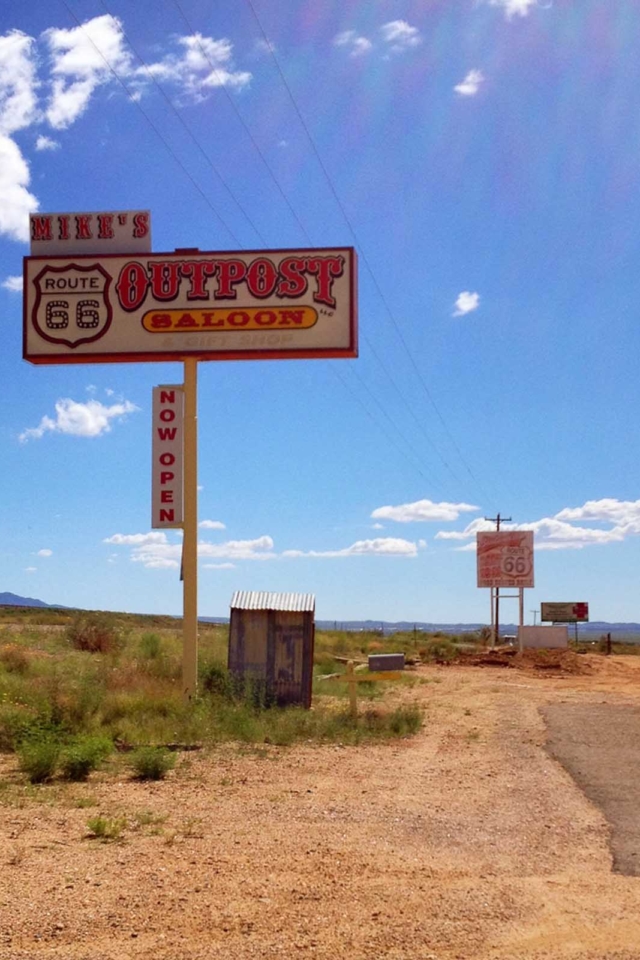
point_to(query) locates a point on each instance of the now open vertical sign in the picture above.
(167, 505)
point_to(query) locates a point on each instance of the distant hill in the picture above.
(13, 600)
(405, 626)
(591, 630)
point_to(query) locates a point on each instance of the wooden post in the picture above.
(353, 696)
(190, 541)
(608, 644)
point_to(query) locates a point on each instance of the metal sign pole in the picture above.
(190, 542)
(493, 617)
(521, 606)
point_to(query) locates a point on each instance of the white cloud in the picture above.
(16, 203)
(212, 525)
(136, 539)
(514, 8)
(46, 143)
(471, 84)
(469, 531)
(154, 551)
(465, 303)
(18, 109)
(79, 60)
(219, 566)
(30, 569)
(356, 45)
(202, 64)
(90, 419)
(623, 512)
(259, 549)
(18, 82)
(552, 534)
(400, 35)
(82, 59)
(380, 547)
(422, 510)
(45, 552)
(558, 533)
(13, 284)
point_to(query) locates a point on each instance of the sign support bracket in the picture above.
(190, 541)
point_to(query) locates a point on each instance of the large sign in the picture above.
(68, 234)
(167, 508)
(565, 612)
(505, 558)
(251, 305)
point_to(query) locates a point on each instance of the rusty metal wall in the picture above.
(275, 646)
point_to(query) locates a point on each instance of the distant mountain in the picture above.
(13, 600)
(597, 627)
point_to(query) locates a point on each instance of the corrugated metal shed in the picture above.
(271, 639)
(260, 600)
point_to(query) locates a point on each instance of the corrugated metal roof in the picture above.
(259, 600)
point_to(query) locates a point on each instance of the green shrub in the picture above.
(15, 723)
(94, 633)
(150, 646)
(14, 659)
(105, 828)
(215, 679)
(439, 648)
(39, 757)
(83, 755)
(405, 720)
(152, 763)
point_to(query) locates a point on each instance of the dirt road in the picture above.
(468, 841)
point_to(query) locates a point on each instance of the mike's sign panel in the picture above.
(212, 306)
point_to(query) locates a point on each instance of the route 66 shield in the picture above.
(72, 304)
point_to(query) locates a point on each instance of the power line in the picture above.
(154, 127)
(286, 199)
(218, 216)
(383, 411)
(389, 437)
(351, 228)
(245, 126)
(189, 131)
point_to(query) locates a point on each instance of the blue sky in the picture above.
(482, 155)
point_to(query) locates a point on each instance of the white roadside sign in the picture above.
(505, 558)
(247, 305)
(167, 507)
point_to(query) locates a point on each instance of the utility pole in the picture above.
(535, 615)
(497, 520)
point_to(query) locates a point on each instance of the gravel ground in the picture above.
(468, 841)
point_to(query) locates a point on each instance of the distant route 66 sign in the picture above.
(505, 558)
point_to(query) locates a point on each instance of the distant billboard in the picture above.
(249, 305)
(505, 558)
(565, 612)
